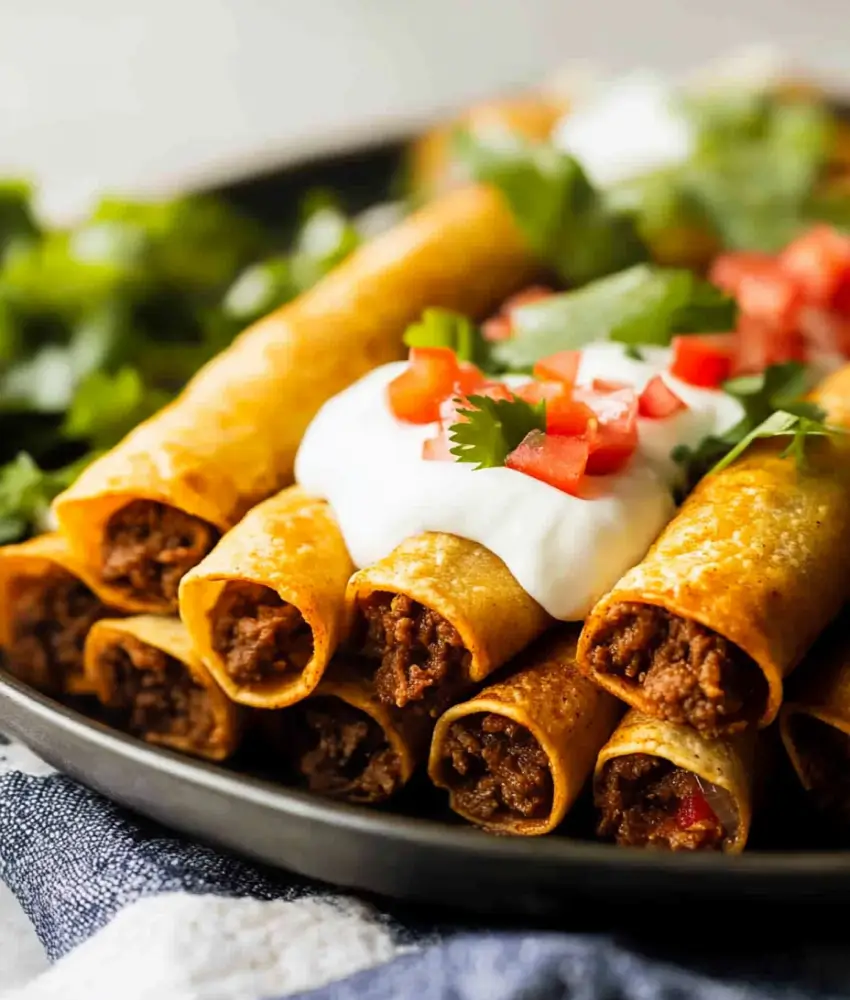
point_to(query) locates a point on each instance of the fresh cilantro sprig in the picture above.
(570, 224)
(642, 305)
(492, 428)
(772, 405)
(444, 328)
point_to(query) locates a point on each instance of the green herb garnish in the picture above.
(444, 328)
(493, 428)
(643, 305)
(571, 225)
(778, 424)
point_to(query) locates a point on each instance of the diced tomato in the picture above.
(694, 809)
(470, 379)
(613, 437)
(497, 328)
(762, 289)
(607, 385)
(500, 326)
(825, 333)
(558, 461)
(568, 417)
(562, 367)
(704, 360)
(840, 302)
(759, 344)
(436, 449)
(658, 401)
(819, 261)
(415, 395)
(536, 391)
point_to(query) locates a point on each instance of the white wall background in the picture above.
(137, 95)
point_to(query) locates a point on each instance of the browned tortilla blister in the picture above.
(757, 553)
(27, 563)
(292, 545)
(568, 716)
(465, 584)
(229, 440)
(223, 728)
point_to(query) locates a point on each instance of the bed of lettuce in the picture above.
(103, 323)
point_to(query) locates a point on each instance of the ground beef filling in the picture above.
(340, 751)
(259, 636)
(825, 754)
(639, 798)
(153, 694)
(496, 768)
(149, 546)
(52, 614)
(690, 674)
(422, 656)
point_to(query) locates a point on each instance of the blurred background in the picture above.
(149, 97)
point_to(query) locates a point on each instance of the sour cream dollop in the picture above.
(565, 551)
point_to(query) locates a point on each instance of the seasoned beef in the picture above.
(690, 674)
(149, 546)
(496, 768)
(825, 753)
(422, 656)
(52, 616)
(639, 797)
(258, 635)
(153, 694)
(340, 751)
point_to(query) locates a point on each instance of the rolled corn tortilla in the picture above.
(439, 615)
(815, 723)
(48, 602)
(661, 785)
(147, 511)
(514, 757)
(343, 742)
(732, 594)
(266, 608)
(833, 396)
(144, 671)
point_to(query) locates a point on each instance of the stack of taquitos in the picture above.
(147, 511)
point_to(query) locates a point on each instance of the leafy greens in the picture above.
(492, 428)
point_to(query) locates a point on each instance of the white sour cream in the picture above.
(631, 128)
(565, 551)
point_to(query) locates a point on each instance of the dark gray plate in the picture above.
(397, 855)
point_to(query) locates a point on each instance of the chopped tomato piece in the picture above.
(613, 437)
(568, 417)
(819, 261)
(470, 379)
(658, 401)
(500, 326)
(558, 461)
(562, 367)
(759, 344)
(840, 301)
(436, 449)
(497, 328)
(704, 360)
(694, 809)
(762, 289)
(609, 385)
(536, 391)
(825, 333)
(415, 395)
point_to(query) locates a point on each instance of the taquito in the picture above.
(343, 742)
(662, 785)
(733, 592)
(833, 396)
(151, 508)
(815, 723)
(48, 602)
(144, 671)
(439, 614)
(265, 609)
(515, 756)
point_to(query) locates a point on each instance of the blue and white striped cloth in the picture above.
(127, 911)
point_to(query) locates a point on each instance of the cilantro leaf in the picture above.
(493, 428)
(105, 407)
(568, 223)
(444, 328)
(779, 424)
(640, 306)
(26, 492)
